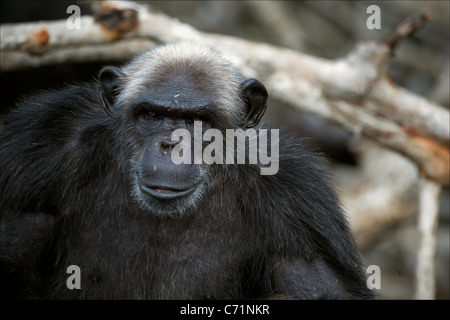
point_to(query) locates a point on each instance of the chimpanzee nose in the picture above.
(168, 143)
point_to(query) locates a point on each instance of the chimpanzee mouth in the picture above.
(166, 193)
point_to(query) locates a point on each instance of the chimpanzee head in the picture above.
(175, 87)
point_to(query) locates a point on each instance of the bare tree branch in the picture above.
(427, 225)
(372, 203)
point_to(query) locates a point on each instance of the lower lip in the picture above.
(166, 194)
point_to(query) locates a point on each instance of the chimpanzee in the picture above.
(88, 179)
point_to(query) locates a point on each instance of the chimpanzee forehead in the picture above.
(184, 82)
(181, 94)
(182, 85)
(182, 63)
(188, 73)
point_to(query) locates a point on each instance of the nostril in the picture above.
(167, 142)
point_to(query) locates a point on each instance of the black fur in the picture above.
(65, 183)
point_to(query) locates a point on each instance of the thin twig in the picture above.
(407, 28)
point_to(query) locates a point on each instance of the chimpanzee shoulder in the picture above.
(296, 213)
(41, 141)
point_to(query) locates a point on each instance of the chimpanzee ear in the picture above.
(255, 98)
(108, 85)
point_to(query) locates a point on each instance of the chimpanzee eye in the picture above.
(151, 114)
